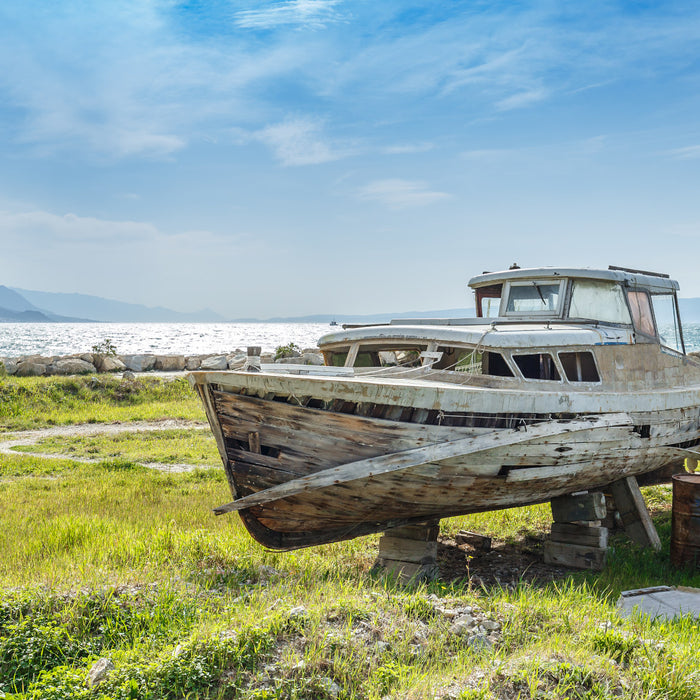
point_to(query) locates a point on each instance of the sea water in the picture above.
(18, 339)
(48, 339)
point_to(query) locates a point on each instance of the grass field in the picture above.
(110, 559)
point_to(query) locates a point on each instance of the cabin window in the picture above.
(579, 366)
(533, 297)
(600, 301)
(667, 321)
(641, 313)
(488, 301)
(404, 357)
(537, 366)
(469, 361)
(496, 365)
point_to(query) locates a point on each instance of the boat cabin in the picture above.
(645, 301)
(544, 325)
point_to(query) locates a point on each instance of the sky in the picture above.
(342, 156)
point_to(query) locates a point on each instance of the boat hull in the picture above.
(312, 451)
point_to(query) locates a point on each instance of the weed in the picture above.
(289, 350)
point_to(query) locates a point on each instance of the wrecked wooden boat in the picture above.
(566, 380)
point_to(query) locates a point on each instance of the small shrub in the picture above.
(289, 350)
(105, 348)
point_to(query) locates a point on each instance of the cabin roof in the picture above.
(487, 335)
(656, 284)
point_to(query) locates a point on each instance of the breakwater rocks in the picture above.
(89, 363)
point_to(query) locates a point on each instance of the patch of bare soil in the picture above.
(26, 438)
(504, 566)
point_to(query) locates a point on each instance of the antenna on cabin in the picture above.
(639, 272)
(514, 266)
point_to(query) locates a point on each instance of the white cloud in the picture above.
(298, 142)
(687, 153)
(400, 194)
(522, 99)
(57, 229)
(408, 148)
(307, 13)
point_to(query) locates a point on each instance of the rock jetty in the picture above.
(91, 363)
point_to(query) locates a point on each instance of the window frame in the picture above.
(555, 361)
(576, 382)
(556, 313)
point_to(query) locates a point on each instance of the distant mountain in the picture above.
(16, 308)
(362, 318)
(690, 310)
(109, 310)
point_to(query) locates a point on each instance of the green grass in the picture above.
(111, 559)
(188, 446)
(35, 402)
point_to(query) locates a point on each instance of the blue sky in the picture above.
(283, 158)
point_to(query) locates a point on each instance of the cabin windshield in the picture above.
(667, 321)
(533, 297)
(600, 301)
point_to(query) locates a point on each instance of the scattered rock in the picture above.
(139, 363)
(169, 363)
(29, 369)
(193, 362)
(108, 363)
(128, 374)
(99, 672)
(312, 358)
(70, 366)
(462, 625)
(215, 363)
(331, 688)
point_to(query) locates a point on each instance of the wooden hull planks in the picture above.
(282, 434)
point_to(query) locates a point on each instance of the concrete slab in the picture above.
(663, 602)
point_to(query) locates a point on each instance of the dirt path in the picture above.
(27, 438)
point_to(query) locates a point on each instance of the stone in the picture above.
(170, 363)
(70, 366)
(215, 363)
(312, 358)
(479, 642)
(109, 363)
(237, 360)
(330, 687)
(462, 625)
(99, 672)
(193, 362)
(139, 363)
(29, 368)
(128, 374)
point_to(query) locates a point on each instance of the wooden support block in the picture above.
(423, 532)
(634, 514)
(407, 572)
(400, 549)
(586, 506)
(474, 539)
(570, 533)
(409, 552)
(574, 555)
